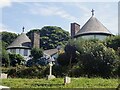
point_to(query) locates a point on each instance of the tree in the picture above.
(63, 59)
(51, 36)
(70, 55)
(93, 58)
(4, 55)
(8, 37)
(5, 58)
(36, 53)
(96, 58)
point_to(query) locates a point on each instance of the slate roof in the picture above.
(21, 41)
(93, 26)
(50, 51)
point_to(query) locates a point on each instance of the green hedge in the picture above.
(26, 72)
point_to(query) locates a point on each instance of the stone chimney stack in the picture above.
(35, 39)
(74, 29)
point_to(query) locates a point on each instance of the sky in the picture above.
(37, 14)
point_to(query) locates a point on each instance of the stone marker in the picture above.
(4, 88)
(3, 75)
(67, 80)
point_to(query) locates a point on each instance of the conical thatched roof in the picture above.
(93, 26)
(21, 41)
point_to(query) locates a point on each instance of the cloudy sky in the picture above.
(33, 14)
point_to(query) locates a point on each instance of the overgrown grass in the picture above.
(59, 83)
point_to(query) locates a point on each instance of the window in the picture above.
(25, 52)
(19, 51)
(13, 50)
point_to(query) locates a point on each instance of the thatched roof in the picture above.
(21, 41)
(93, 26)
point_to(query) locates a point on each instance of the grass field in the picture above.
(59, 83)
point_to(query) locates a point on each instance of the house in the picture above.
(93, 28)
(22, 44)
(53, 53)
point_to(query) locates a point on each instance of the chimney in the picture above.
(74, 29)
(35, 40)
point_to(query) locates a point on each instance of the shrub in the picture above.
(63, 59)
(16, 59)
(60, 71)
(113, 42)
(28, 72)
(77, 70)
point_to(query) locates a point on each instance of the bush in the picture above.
(77, 70)
(6, 69)
(63, 59)
(113, 42)
(60, 71)
(16, 59)
(28, 72)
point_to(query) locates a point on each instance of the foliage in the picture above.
(5, 58)
(93, 58)
(59, 83)
(97, 59)
(6, 69)
(51, 36)
(16, 59)
(63, 59)
(77, 70)
(69, 57)
(118, 70)
(113, 42)
(36, 54)
(60, 71)
(4, 55)
(22, 72)
(41, 61)
(8, 37)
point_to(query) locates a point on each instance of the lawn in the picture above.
(59, 83)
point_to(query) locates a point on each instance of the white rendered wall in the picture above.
(21, 52)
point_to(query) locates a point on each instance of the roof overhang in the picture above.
(16, 47)
(91, 33)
